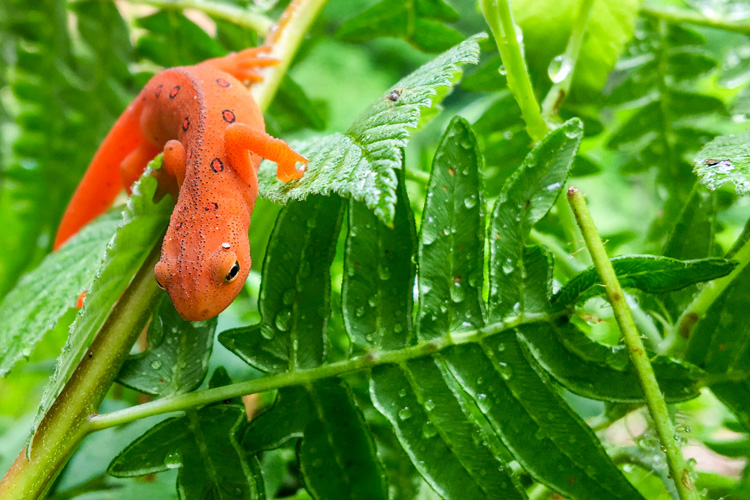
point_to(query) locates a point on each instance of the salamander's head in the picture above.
(204, 264)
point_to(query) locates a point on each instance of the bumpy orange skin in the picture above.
(213, 138)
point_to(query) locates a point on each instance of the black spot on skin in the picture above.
(223, 83)
(185, 124)
(211, 206)
(217, 166)
(157, 93)
(228, 116)
(173, 93)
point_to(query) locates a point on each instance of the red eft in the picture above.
(213, 138)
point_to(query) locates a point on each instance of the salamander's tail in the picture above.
(102, 182)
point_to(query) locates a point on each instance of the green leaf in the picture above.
(726, 159)
(362, 163)
(547, 25)
(295, 293)
(292, 109)
(43, 296)
(203, 446)
(176, 360)
(451, 252)
(692, 236)
(141, 228)
(414, 22)
(719, 345)
(519, 279)
(377, 290)
(51, 125)
(444, 438)
(337, 454)
(602, 372)
(486, 78)
(171, 39)
(648, 273)
(542, 432)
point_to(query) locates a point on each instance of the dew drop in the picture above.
(404, 413)
(283, 319)
(429, 405)
(156, 364)
(505, 371)
(172, 460)
(383, 272)
(471, 201)
(507, 266)
(429, 430)
(559, 68)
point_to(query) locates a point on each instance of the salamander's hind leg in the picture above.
(244, 65)
(135, 163)
(241, 138)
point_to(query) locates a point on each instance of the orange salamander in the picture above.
(213, 138)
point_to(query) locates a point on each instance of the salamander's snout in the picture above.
(201, 290)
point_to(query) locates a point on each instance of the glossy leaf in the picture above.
(526, 197)
(451, 252)
(542, 432)
(362, 163)
(648, 273)
(295, 293)
(43, 296)
(202, 444)
(602, 372)
(377, 290)
(176, 359)
(336, 454)
(724, 160)
(441, 436)
(140, 229)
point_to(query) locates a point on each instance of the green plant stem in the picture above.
(676, 342)
(221, 10)
(500, 20)
(638, 355)
(65, 424)
(285, 38)
(300, 377)
(690, 16)
(560, 90)
(417, 176)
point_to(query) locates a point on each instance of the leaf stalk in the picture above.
(561, 89)
(221, 10)
(300, 377)
(654, 398)
(64, 426)
(677, 16)
(508, 37)
(676, 342)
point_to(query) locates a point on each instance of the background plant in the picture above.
(424, 322)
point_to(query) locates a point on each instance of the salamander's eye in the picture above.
(233, 272)
(158, 283)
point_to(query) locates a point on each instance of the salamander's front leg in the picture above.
(241, 138)
(133, 166)
(243, 65)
